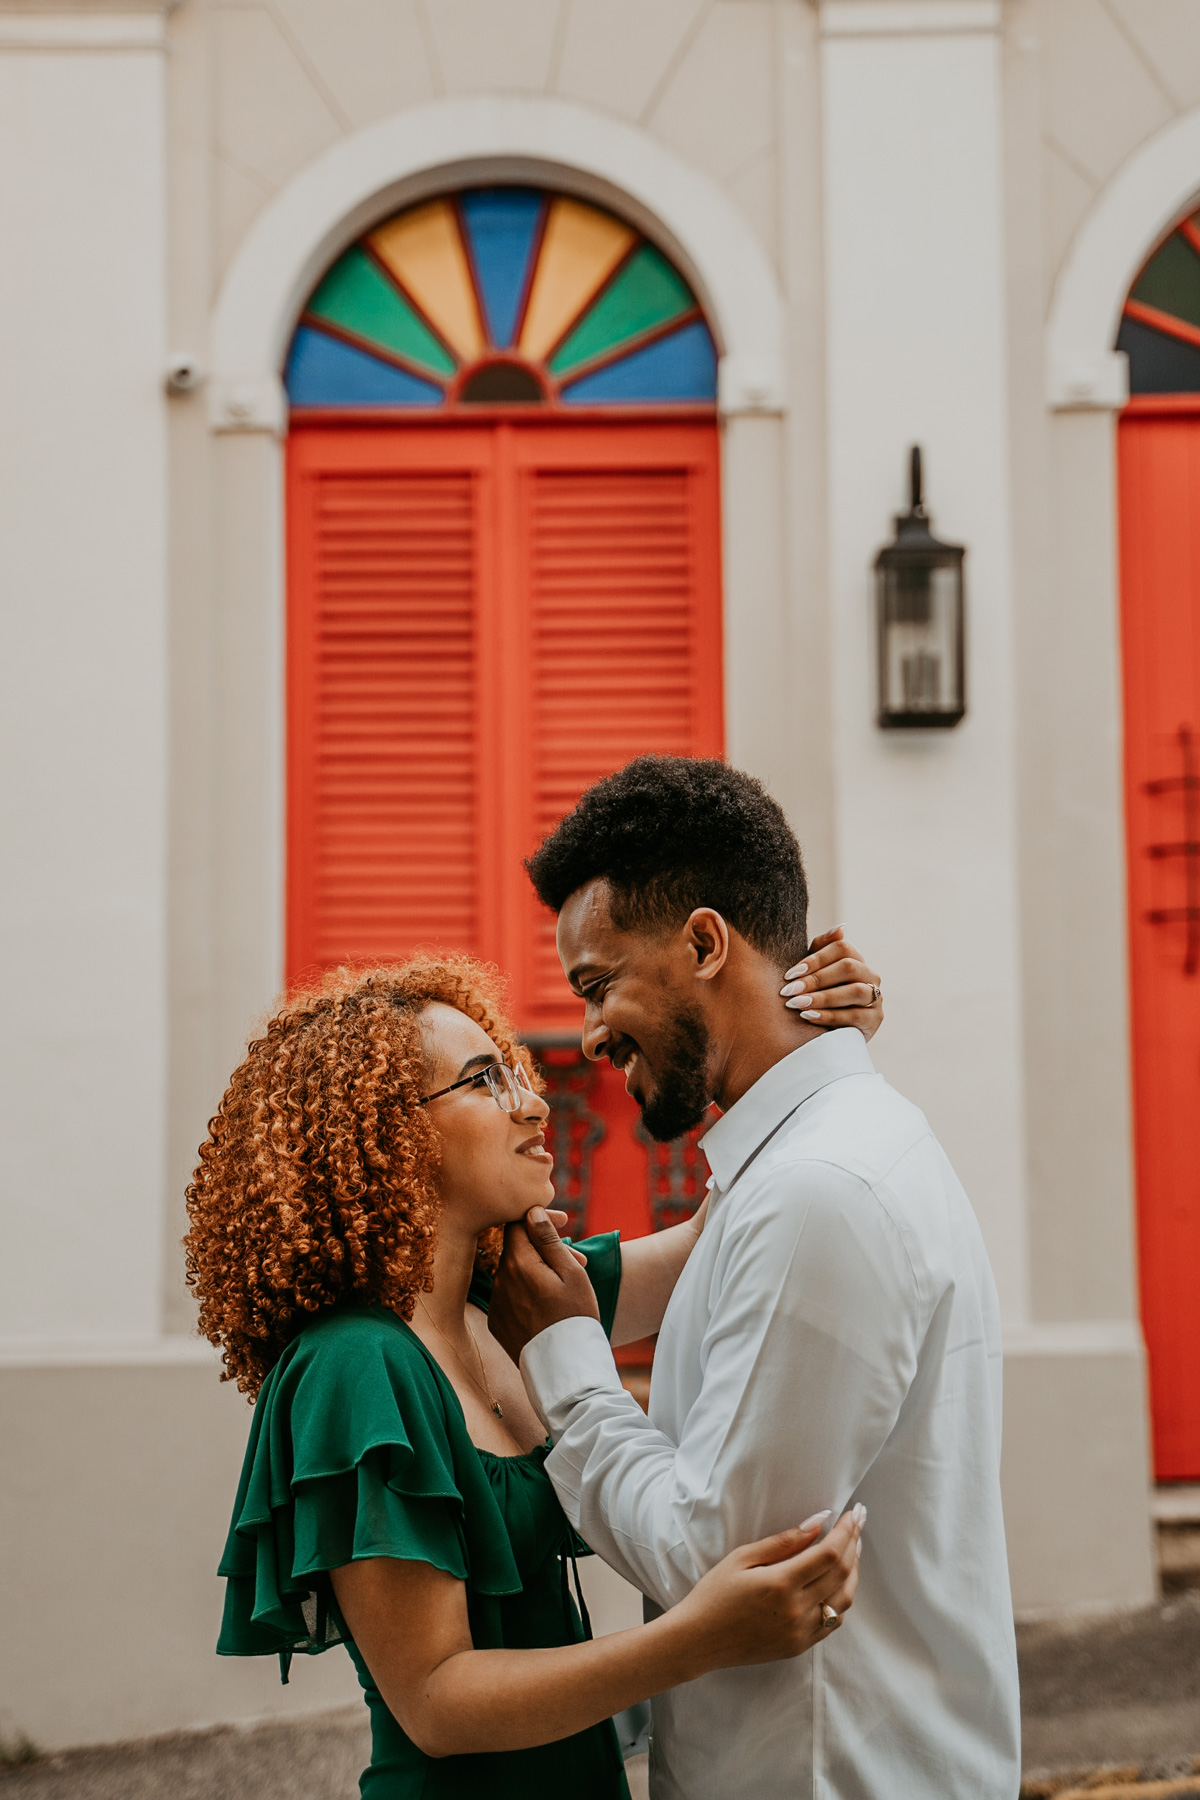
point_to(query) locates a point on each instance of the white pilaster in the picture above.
(927, 845)
(82, 561)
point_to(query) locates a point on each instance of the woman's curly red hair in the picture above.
(316, 1183)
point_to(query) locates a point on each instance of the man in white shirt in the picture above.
(833, 1338)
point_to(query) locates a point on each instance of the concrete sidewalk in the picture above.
(320, 1759)
(1122, 1691)
(1113, 1702)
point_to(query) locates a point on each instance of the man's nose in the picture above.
(596, 1035)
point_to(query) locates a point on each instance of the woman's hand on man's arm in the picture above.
(409, 1622)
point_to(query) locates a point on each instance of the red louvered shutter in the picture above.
(384, 714)
(483, 619)
(621, 571)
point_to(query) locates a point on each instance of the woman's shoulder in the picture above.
(354, 1380)
(350, 1340)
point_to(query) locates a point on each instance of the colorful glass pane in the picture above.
(502, 226)
(358, 296)
(424, 251)
(1170, 281)
(682, 366)
(581, 247)
(645, 292)
(461, 300)
(324, 371)
(1159, 363)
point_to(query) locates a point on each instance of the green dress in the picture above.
(359, 1448)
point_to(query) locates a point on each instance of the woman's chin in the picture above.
(540, 1194)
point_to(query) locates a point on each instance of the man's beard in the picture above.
(681, 1097)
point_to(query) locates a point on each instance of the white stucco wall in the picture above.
(82, 587)
(927, 830)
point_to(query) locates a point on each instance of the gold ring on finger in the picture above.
(876, 990)
(828, 1615)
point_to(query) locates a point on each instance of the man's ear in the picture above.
(707, 938)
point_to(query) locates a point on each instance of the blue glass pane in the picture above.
(1158, 363)
(682, 366)
(501, 224)
(322, 371)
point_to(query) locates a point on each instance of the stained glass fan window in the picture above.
(1160, 329)
(502, 295)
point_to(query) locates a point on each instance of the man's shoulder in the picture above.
(858, 1144)
(859, 1124)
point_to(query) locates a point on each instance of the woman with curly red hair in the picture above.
(346, 1217)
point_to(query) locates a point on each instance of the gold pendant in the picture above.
(497, 1409)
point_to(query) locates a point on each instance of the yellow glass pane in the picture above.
(423, 250)
(580, 248)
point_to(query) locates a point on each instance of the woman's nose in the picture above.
(536, 1107)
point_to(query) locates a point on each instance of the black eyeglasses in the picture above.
(509, 1088)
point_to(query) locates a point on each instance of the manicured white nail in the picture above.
(814, 1016)
(860, 1513)
(798, 1002)
(800, 969)
(817, 1519)
(793, 987)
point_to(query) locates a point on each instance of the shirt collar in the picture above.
(787, 1084)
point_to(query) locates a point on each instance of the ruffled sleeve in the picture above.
(603, 1255)
(357, 1450)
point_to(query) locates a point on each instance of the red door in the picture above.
(1159, 470)
(483, 618)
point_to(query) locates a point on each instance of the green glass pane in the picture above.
(1171, 281)
(358, 296)
(645, 293)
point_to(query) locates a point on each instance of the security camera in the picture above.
(184, 374)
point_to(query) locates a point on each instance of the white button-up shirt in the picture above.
(834, 1337)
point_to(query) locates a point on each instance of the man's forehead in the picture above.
(586, 932)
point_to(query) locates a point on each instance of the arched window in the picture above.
(502, 296)
(503, 582)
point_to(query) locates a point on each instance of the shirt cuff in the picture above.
(560, 1365)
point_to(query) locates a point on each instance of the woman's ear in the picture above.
(707, 937)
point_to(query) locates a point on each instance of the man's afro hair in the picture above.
(671, 833)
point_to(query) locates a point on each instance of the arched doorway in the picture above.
(1159, 497)
(503, 581)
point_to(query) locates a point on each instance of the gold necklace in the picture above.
(482, 1382)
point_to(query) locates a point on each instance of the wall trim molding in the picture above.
(399, 160)
(106, 1353)
(118, 30)
(1138, 206)
(910, 18)
(1075, 1337)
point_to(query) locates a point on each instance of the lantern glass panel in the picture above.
(921, 643)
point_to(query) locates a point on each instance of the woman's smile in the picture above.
(535, 1147)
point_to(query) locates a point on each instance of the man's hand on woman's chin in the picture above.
(539, 1281)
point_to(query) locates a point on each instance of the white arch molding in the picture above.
(450, 143)
(1139, 206)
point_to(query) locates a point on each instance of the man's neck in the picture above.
(762, 1032)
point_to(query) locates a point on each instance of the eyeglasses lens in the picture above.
(509, 1088)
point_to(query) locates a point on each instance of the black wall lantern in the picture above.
(919, 611)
